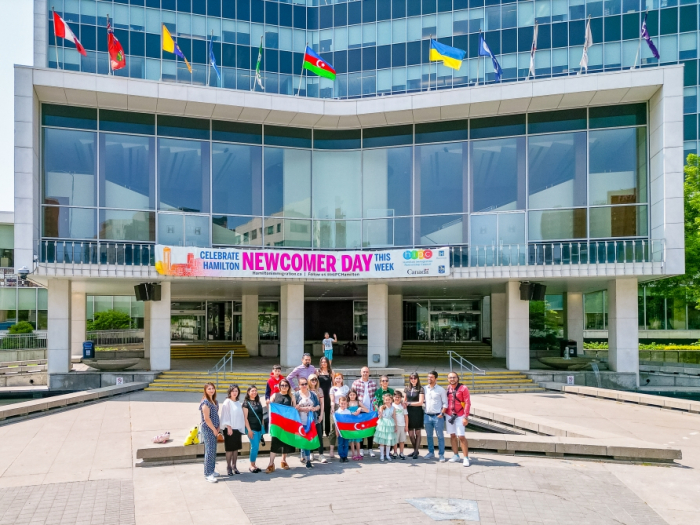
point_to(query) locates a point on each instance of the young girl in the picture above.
(342, 442)
(385, 435)
(401, 423)
(355, 406)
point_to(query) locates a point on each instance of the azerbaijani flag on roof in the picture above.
(355, 427)
(286, 425)
(316, 64)
(450, 56)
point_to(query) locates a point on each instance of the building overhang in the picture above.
(128, 94)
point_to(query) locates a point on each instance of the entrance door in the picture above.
(187, 321)
(219, 321)
(455, 321)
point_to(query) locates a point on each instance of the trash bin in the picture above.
(568, 348)
(88, 350)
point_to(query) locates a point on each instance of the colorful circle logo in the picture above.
(417, 254)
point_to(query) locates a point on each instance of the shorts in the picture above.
(457, 427)
(401, 434)
(328, 354)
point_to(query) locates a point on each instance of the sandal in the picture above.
(235, 470)
(229, 472)
(270, 469)
(254, 470)
(285, 466)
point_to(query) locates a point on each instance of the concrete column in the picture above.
(378, 325)
(58, 344)
(395, 324)
(159, 329)
(147, 329)
(291, 324)
(574, 318)
(517, 329)
(623, 327)
(78, 321)
(498, 325)
(250, 323)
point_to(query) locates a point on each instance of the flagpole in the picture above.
(478, 58)
(55, 38)
(639, 47)
(301, 75)
(109, 58)
(429, 44)
(209, 59)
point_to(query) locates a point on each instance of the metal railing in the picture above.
(97, 252)
(558, 253)
(465, 365)
(220, 367)
(115, 337)
(22, 341)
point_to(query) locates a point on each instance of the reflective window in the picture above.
(337, 234)
(378, 233)
(617, 171)
(290, 233)
(127, 171)
(236, 179)
(196, 230)
(619, 221)
(492, 229)
(552, 225)
(236, 231)
(183, 175)
(69, 223)
(337, 184)
(287, 182)
(70, 163)
(171, 229)
(118, 225)
(557, 170)
(386, 183)
(441, 178)
(440, 230)
(498, 174)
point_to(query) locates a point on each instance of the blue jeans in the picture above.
(438, 425)
(255, 445)
(343, 445)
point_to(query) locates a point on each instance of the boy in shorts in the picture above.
(401, 424)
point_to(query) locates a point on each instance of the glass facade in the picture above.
(568, 175)
(24, 304)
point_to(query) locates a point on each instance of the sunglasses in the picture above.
(284, 386)
(314, 380)
(303, 384)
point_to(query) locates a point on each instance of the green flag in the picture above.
(258, 78)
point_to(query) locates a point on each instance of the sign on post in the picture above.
(120, 381)
(569, 380)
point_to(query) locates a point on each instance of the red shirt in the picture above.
(459, 403)
(273, 385)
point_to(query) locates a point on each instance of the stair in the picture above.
(439, 350)
(181, 381)
(494, 382)
(207, 351)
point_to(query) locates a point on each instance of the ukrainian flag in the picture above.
(450, 56)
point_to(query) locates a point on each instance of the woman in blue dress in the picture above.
(210, 429)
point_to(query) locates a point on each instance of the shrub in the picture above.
(23, 327)
(109, 320)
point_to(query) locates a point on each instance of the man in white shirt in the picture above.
(365, 389)
(434, 418)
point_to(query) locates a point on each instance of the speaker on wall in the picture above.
(154, 292)
(147, 292)
(538, 291)
(525, 291)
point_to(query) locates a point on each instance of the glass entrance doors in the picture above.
(205, 321)
(456, 321)
(187, 321)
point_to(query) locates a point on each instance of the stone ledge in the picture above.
(555, 446)
(42, 405)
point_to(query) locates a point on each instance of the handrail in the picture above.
(463, 363)
(220, 367)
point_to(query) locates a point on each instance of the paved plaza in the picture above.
(78, 466)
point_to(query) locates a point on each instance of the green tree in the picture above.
(109, 320)
(23, 327)
(688, 284)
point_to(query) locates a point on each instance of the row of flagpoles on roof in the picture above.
(451, 57)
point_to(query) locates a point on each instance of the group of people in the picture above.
(319, 393)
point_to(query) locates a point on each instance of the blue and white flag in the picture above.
(645, 36)
(212, 58)
(485, 51)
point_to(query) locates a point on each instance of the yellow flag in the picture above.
(168, 42)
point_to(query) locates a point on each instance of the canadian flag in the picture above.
(61, 29)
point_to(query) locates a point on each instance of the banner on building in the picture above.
(187, 261)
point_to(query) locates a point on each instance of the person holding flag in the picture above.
(171, 46)
(62, 30)
(587, 43)
(117, 60)
(308, 405)
(485, 51)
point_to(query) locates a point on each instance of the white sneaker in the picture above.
(454, 459)
(362, 452)
(216, 474)
(322, 459)
(388, 457)
(466, 462)
(311, 457)
(429, 455)
(211, 479)
(372, 454)
(381, 459)
(442, 459)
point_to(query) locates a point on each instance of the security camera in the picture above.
(22, 273)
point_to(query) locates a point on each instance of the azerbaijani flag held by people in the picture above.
(316, 64)
(286, 425)
(355, 427)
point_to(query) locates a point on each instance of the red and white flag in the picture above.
(116, 51)
(61, 30)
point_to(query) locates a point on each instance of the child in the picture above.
(355, 406)
(385, 435)
(342, 442)
(273, 384)
(401, 424)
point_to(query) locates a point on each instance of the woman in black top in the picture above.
(414, 403)
(253, 413)
(325, 379)
(283, 397)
